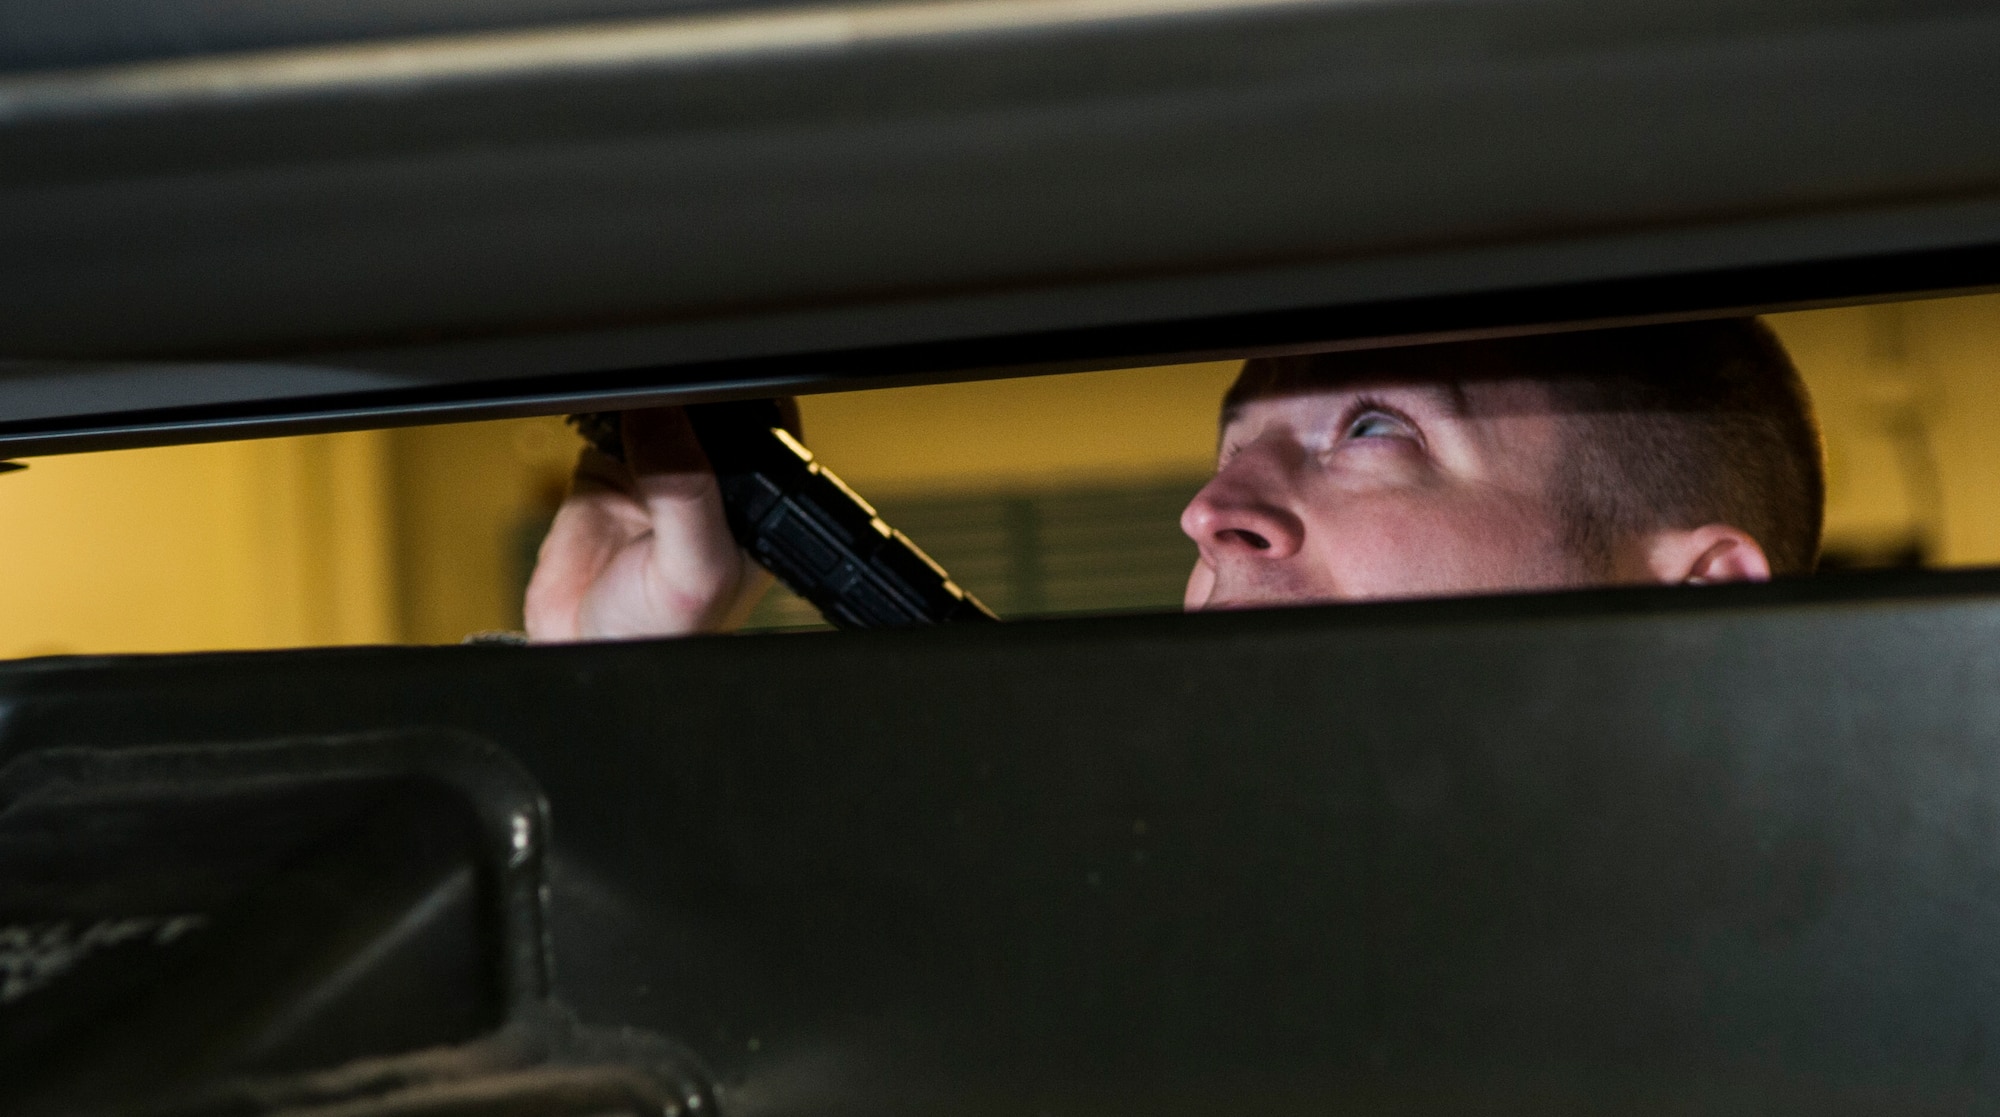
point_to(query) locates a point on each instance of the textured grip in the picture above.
(805, 526)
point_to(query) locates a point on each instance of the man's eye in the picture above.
(1375, 424)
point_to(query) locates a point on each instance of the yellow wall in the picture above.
(241, 544)
(463, 497)
(1896, 384)
(1126, 425)
(418, 534)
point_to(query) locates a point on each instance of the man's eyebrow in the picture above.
(1456, 400)
(1450, 394)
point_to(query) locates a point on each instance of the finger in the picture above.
(693, 575)
(662, 440)
(695, 563)
(598, 471)
(692, 549)
(588, 533)
(600, 515)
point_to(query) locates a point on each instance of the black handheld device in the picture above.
(805, 526)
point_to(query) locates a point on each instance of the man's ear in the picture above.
(1710, 553)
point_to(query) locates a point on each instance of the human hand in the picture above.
(640, 547)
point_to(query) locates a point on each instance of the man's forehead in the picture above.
(1468, 398)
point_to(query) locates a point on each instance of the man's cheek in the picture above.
(1398, 551)
(1515, 544)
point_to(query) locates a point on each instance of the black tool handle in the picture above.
(804, 525)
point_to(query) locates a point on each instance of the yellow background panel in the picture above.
(243, 544)
(1104, 427)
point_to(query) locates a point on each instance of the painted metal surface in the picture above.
(525, 210)
(1651, 851)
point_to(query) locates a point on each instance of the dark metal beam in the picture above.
(1721, 850)
(500, 221)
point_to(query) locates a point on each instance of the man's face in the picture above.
(1379, 490)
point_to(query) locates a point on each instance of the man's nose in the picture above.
(1243, 513)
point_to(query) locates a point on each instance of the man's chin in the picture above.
(1218, 603)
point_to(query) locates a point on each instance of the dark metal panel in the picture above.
(47, 34)
(801, 199)
(1710, 851)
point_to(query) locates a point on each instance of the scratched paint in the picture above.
(34, 954)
